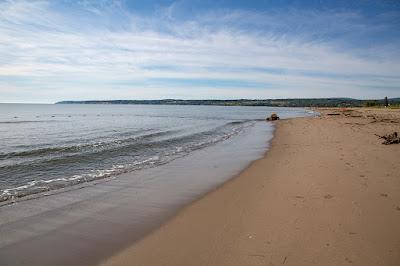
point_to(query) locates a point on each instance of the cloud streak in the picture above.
(53, 52)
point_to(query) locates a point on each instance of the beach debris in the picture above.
(273, 117)
(333, 114)
(390, 138)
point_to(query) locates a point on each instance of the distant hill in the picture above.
(305, 102)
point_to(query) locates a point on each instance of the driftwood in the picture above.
(390, 138)
(333, 114)
(273, 117)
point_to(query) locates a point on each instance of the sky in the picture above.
(53, 50)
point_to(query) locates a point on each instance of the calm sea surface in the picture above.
(47, 147)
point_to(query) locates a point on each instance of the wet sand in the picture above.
(327, 193)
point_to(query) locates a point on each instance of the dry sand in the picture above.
(327, 193)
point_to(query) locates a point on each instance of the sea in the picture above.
(48, 147)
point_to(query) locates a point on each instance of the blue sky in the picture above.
(121, 49)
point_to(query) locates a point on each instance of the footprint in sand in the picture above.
(328, 196)
(384, 195)
(348, 260)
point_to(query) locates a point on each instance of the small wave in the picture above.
(40, 186)
(149, 151)
(27, 121)
(81, 147)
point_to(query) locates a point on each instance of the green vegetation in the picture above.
(306, 102)
(372, 104)
(395, 106)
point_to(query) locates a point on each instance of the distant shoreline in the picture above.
(291, 102)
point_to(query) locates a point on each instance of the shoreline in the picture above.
(119, 258)
(84, 226)
(306, 202)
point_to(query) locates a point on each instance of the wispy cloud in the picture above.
(85, 50)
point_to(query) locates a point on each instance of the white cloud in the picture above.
(56, 55)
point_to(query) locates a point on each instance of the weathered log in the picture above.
(273, 117)
(390, 138)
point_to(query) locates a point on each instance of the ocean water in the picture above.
(48, 147)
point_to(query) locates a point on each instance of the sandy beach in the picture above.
(326, 193)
